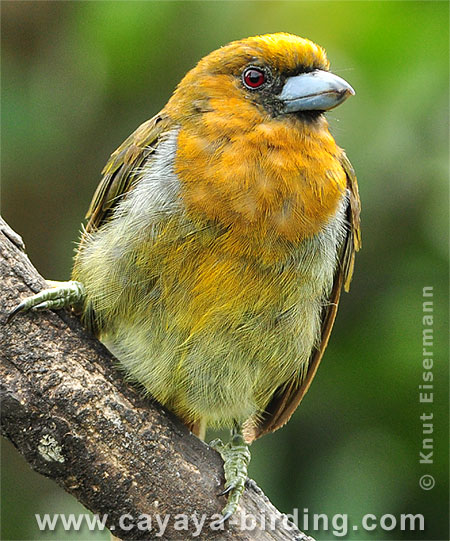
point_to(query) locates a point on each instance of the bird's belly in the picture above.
(209, 333)
(217, 336)
(226, 371)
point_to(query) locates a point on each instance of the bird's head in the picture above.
(274, 75)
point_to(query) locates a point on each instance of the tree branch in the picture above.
(70, 413)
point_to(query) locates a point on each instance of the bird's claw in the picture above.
(61, 295)
(224, 518)
(236, 457)
(225, 491)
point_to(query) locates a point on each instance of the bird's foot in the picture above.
(61, 294)
(236, 457)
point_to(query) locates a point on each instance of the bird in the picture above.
(218, 242)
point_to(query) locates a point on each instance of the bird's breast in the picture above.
(277, 183)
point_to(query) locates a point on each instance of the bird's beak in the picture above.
(314, 91)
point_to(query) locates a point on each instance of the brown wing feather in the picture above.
(288, 397)
(120, 174)
(121, 170)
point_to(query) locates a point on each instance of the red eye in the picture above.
(253, 77)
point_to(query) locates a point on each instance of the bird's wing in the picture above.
(286, 399)
(122, 169)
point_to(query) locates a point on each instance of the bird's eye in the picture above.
(253, 78)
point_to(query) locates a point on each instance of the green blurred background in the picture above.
(79, 77)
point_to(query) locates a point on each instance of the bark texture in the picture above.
(70, 412)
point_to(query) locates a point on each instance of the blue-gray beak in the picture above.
(314, 91)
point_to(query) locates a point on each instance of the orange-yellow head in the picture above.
(264, 71)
